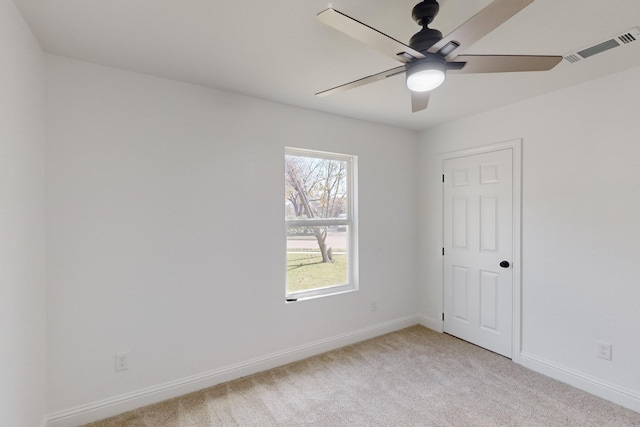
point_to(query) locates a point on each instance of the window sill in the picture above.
(303, 296)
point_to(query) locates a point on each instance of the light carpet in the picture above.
(413, 377)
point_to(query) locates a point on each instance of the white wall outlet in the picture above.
(603, 350)
(122, 362)
(374, 305)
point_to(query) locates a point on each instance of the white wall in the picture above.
(166, 229)
(22, 263)
(580, 237)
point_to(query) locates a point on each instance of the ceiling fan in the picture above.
(430, 56)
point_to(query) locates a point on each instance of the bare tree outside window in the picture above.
(317, 189)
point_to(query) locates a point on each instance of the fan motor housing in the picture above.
(429, 58)
(424, 39)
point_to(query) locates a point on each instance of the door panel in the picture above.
(478, 235)
(488, 224)
(460, 288)
(489, 300)
(460, 223)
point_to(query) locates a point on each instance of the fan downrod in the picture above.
(424, 13)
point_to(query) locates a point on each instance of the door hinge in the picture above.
(443, 317)
(442, 177)
(442, 251)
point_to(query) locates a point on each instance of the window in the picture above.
(320, 217)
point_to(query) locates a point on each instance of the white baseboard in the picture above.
(428, 322)
(147, 396)
(610, 392)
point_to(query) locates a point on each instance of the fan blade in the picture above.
(368, 35)
(419, 101)
(479, 25)
(363, 81)
(503, 63)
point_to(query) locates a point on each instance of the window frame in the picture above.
(350, 222)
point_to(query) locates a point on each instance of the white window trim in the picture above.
(351, 221)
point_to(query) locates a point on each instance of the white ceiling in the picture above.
(277, 49)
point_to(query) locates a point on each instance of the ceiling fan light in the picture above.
(426, 80)
(425, 76)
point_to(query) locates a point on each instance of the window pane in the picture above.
(306, 268)
(316, 188)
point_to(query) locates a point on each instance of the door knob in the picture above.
(504, 264)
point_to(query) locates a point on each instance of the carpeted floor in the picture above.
(413, 377)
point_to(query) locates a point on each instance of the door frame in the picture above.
(515, 146)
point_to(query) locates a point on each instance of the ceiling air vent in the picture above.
(625, 38)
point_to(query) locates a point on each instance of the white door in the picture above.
(478, 238)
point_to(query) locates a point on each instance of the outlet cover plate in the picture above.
(122, 362)
(603, 350)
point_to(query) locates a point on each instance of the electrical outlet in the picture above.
(122, 362)
(374, 305)
(603, 350)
